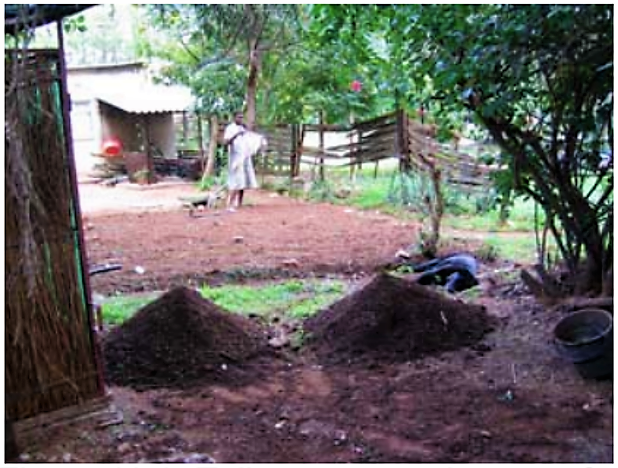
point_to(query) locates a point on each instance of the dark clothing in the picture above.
(457, 272)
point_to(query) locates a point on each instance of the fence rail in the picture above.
(393, 135)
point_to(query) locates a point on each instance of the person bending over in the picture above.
(456, 271)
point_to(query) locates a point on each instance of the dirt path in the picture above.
(510, 398)
(271, 236)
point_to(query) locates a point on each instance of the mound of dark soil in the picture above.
(180, 339)
(395, 320)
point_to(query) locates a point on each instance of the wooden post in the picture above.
(360, 160)
(211, 156)
(401, 141)
(77, 218)
(299, 151)
(185, 129)
(322, 177)
(149, 161)
(200, 140)
(352, 152)
(293, 128)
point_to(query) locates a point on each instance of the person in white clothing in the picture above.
(241, 174)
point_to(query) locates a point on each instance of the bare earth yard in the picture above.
(509, 398)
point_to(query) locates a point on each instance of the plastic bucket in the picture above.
(585, 338)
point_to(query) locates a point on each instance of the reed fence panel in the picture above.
(51, 359)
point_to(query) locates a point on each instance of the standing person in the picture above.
(241, 174)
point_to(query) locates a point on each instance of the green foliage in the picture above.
(487, 253)
(538, 78)
(104, 34)
(210, 48)
(322, 191)
(370, 192)
(75, 24)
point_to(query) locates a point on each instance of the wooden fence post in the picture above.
(298, 149)
(294, 148)
(185, 128)
(402, 144)
(200, 140)
(322, 177)
(352, 151)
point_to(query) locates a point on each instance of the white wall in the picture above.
(83, 84)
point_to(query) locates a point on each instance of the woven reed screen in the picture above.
(50, 354)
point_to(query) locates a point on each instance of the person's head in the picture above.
(238, 118)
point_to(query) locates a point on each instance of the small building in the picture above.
(121, 101)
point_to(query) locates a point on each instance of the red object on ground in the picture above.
(356, 86)
(111, 147)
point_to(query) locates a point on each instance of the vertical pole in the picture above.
(358, 139)
(299, 151)
(149, 161)
(185, 129)
(200, 141)
(352, 152)
(293, 128)
(77, 218)
(322, 178)
(399, 138)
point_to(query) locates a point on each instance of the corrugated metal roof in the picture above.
(149, 99)
(18, 16)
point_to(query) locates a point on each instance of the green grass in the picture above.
(294, 299)
(518, 248)
(370, 193)
(513, 239)
(521, 218)
(116, 310)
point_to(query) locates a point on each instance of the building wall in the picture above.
(162, 133)
(86, 131)
(130, 128)
(93, 121)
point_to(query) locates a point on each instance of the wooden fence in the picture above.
(282, 155)
(391, 136)
(51, 359)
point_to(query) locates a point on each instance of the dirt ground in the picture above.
(509, 398)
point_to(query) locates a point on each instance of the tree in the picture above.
(539, 78)
(220, 48)
(101, 35)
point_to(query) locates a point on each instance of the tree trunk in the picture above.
(212, 148)
(574, 219)
(255, 62)
(436, 211)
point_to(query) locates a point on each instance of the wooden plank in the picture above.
(378, 121)
(95, 407)
(369, 160)
(420, 128)
(362, 145)
(317, 152)
(327, 128)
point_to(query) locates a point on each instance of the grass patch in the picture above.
(294, 299)
(290, 300)
(521, 218)
(465, 210)
(117, 310)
